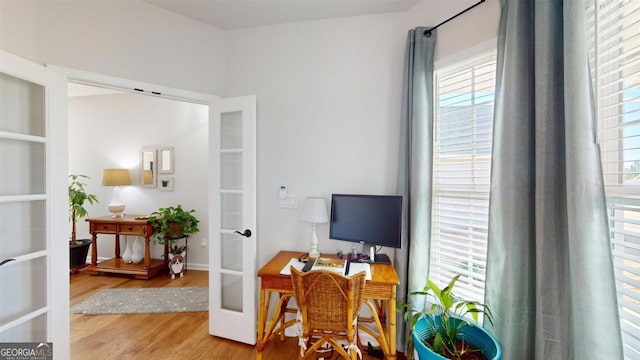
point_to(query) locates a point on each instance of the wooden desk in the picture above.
(379, 294)
(127, 225)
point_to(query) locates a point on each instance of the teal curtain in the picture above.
(415, 168)
(550, 280)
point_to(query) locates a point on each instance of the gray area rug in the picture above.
(144, 301)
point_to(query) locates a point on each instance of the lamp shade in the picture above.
(116, 177)
(314, 210)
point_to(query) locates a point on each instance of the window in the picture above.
(461, 173)
(614, 39)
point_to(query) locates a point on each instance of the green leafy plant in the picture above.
(173, 223)
(77, 198)
(447, 307)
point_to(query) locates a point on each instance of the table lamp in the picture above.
(314, 210)
(116, 178)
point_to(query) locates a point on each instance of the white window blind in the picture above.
(613, 29)
(461, 174)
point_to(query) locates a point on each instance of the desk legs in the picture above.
(385, 325)
(277, 323)
(262, 316)
(386, 336)
(392, 326)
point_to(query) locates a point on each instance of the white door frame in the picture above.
(139, 87)
(132, 86)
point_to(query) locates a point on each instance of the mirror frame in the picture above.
(154, 172)
(162, 164)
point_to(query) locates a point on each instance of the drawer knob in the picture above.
(130, 228)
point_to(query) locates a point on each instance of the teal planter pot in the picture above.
(474, 335)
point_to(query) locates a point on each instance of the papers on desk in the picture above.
(355, 268)
(328, 264)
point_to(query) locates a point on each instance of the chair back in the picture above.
(328, 301)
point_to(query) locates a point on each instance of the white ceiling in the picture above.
(238, 14)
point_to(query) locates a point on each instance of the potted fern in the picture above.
(78, 197)
(444, 330)
(171, 224)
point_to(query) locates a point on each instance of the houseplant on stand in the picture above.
(78, 249)
(169, 225)
(444, 331)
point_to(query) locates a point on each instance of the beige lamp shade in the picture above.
(116, 177)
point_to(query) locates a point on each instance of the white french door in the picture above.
(34, 252)
(232, 256)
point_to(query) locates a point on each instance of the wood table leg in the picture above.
(392, 326)
(262, 316)
(117, 251)
(283, 312)
(94, 249)
(147, 252)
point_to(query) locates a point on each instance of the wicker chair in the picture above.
(328, 305)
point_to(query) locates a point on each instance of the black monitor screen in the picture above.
(367, 219)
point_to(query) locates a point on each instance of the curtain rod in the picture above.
(428, 32)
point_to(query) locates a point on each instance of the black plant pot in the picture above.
(78, 254)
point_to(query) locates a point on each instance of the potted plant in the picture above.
(78, 249)
(444, 331)
(173, 223)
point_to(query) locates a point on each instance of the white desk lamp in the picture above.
(116, 178)
(314, 211)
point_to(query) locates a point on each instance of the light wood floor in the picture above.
(156, 336)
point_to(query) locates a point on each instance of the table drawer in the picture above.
(106, 228)
(126, 229)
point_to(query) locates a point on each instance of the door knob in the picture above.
(246, 233)
(6, 261)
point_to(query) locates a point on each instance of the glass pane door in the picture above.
(23, 212)
(33, 296)
(233, 250)
(231, 209)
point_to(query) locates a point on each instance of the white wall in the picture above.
(127, 39)
(329, 95)
(328, 91)
(108, 131)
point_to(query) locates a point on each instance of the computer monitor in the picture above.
(371, 220)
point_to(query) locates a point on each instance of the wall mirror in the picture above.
(165, 157)
(148, 165)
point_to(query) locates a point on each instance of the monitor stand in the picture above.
(377, 258)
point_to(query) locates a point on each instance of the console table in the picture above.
(127, 225)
